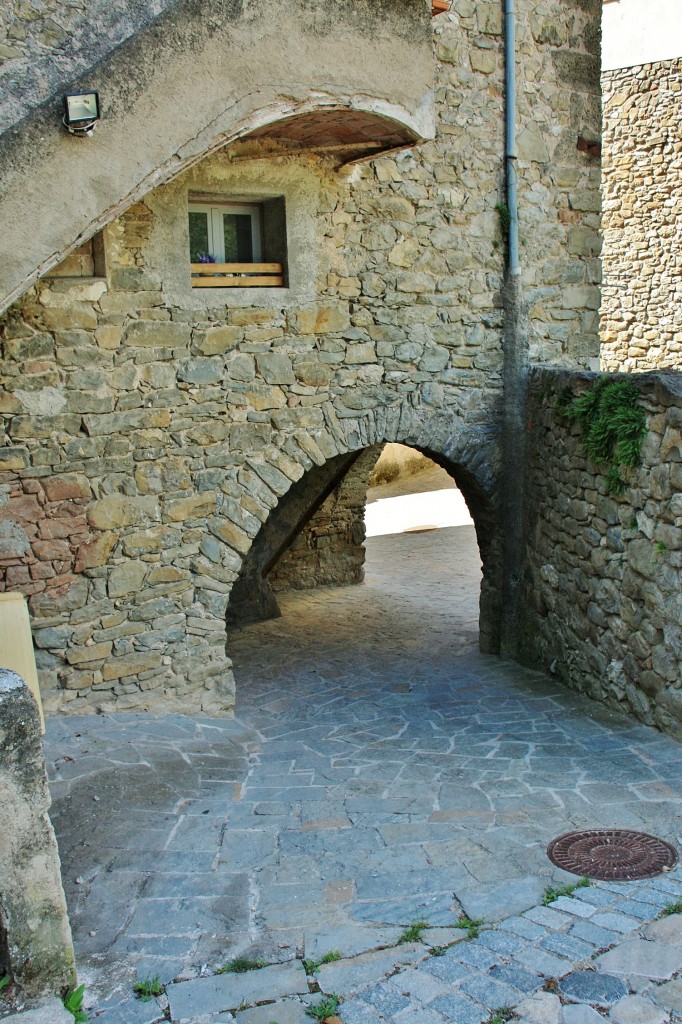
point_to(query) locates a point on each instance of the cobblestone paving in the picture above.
(379, 772)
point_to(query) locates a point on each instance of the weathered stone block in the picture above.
(150, 541)
(34, 915)
(275, 368)
(201, 371)
(263, 397)
(313, 374)
(14, 541)
(118, 510)
(230, 534)
(489, 18)
(218, 340)
(63, 488)
(130, 665)
(60, 600)
(82, 655)
(156, 334)
(324, 319)
(195, 507)
(127, 578)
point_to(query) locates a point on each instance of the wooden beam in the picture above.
(238, 281)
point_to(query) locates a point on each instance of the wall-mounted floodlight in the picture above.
(81, 112)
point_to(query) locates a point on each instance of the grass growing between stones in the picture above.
(414, 932)
(671, 908)
(550, 894)
(4, 982)
(240, 965)
(325, 1008)
(502, 1015)
(310, 966)
(470, 925)
(148, 987)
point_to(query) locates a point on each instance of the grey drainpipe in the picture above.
(515, 372)
(510, 103)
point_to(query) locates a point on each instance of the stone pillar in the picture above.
(35, 936)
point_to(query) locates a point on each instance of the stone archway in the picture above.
(252, 598)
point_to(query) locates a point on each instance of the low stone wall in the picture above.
(642, 217)
(330, 551)
(601, 601)
(35, 936)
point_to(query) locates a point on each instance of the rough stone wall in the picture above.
(367, 62)
(642, 257)
(33, 919)
(150, 428)
(330, 551)
(602, 605)
(44, 43)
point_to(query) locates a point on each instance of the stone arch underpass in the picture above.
(212, 545)
(153, 421)
(253, 598)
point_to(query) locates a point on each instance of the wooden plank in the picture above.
(238, 282)
(16, 644)
(236, 268)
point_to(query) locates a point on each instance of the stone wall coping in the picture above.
(662, 382)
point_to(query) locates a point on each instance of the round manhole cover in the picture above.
(611, 855)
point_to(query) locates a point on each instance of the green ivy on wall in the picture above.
(613, 425)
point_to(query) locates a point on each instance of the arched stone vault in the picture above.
(318, 460)
(252, 597)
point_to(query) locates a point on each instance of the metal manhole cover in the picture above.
(611, 855)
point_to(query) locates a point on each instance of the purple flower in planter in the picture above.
(205, 257)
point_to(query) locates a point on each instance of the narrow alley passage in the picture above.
(379, 771)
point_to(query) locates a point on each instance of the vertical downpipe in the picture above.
(515, 371)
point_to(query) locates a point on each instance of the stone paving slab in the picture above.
(379, 772)
(51, 1011)
(222, 992)
(657, 961)
(637, 1010)
(274, 1013)
(128, 1010)
(346, 976)
(669, 995)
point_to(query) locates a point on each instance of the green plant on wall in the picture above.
(505, 218)
(613, 425)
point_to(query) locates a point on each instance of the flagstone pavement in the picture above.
(379, 772)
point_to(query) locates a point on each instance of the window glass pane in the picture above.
(198, 237)
(238, 237)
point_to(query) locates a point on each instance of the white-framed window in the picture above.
(225, 233)
(237, 243)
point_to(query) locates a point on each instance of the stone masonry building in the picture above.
(642, 296)
(153, 426)
(182, 438)
(177, 446)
